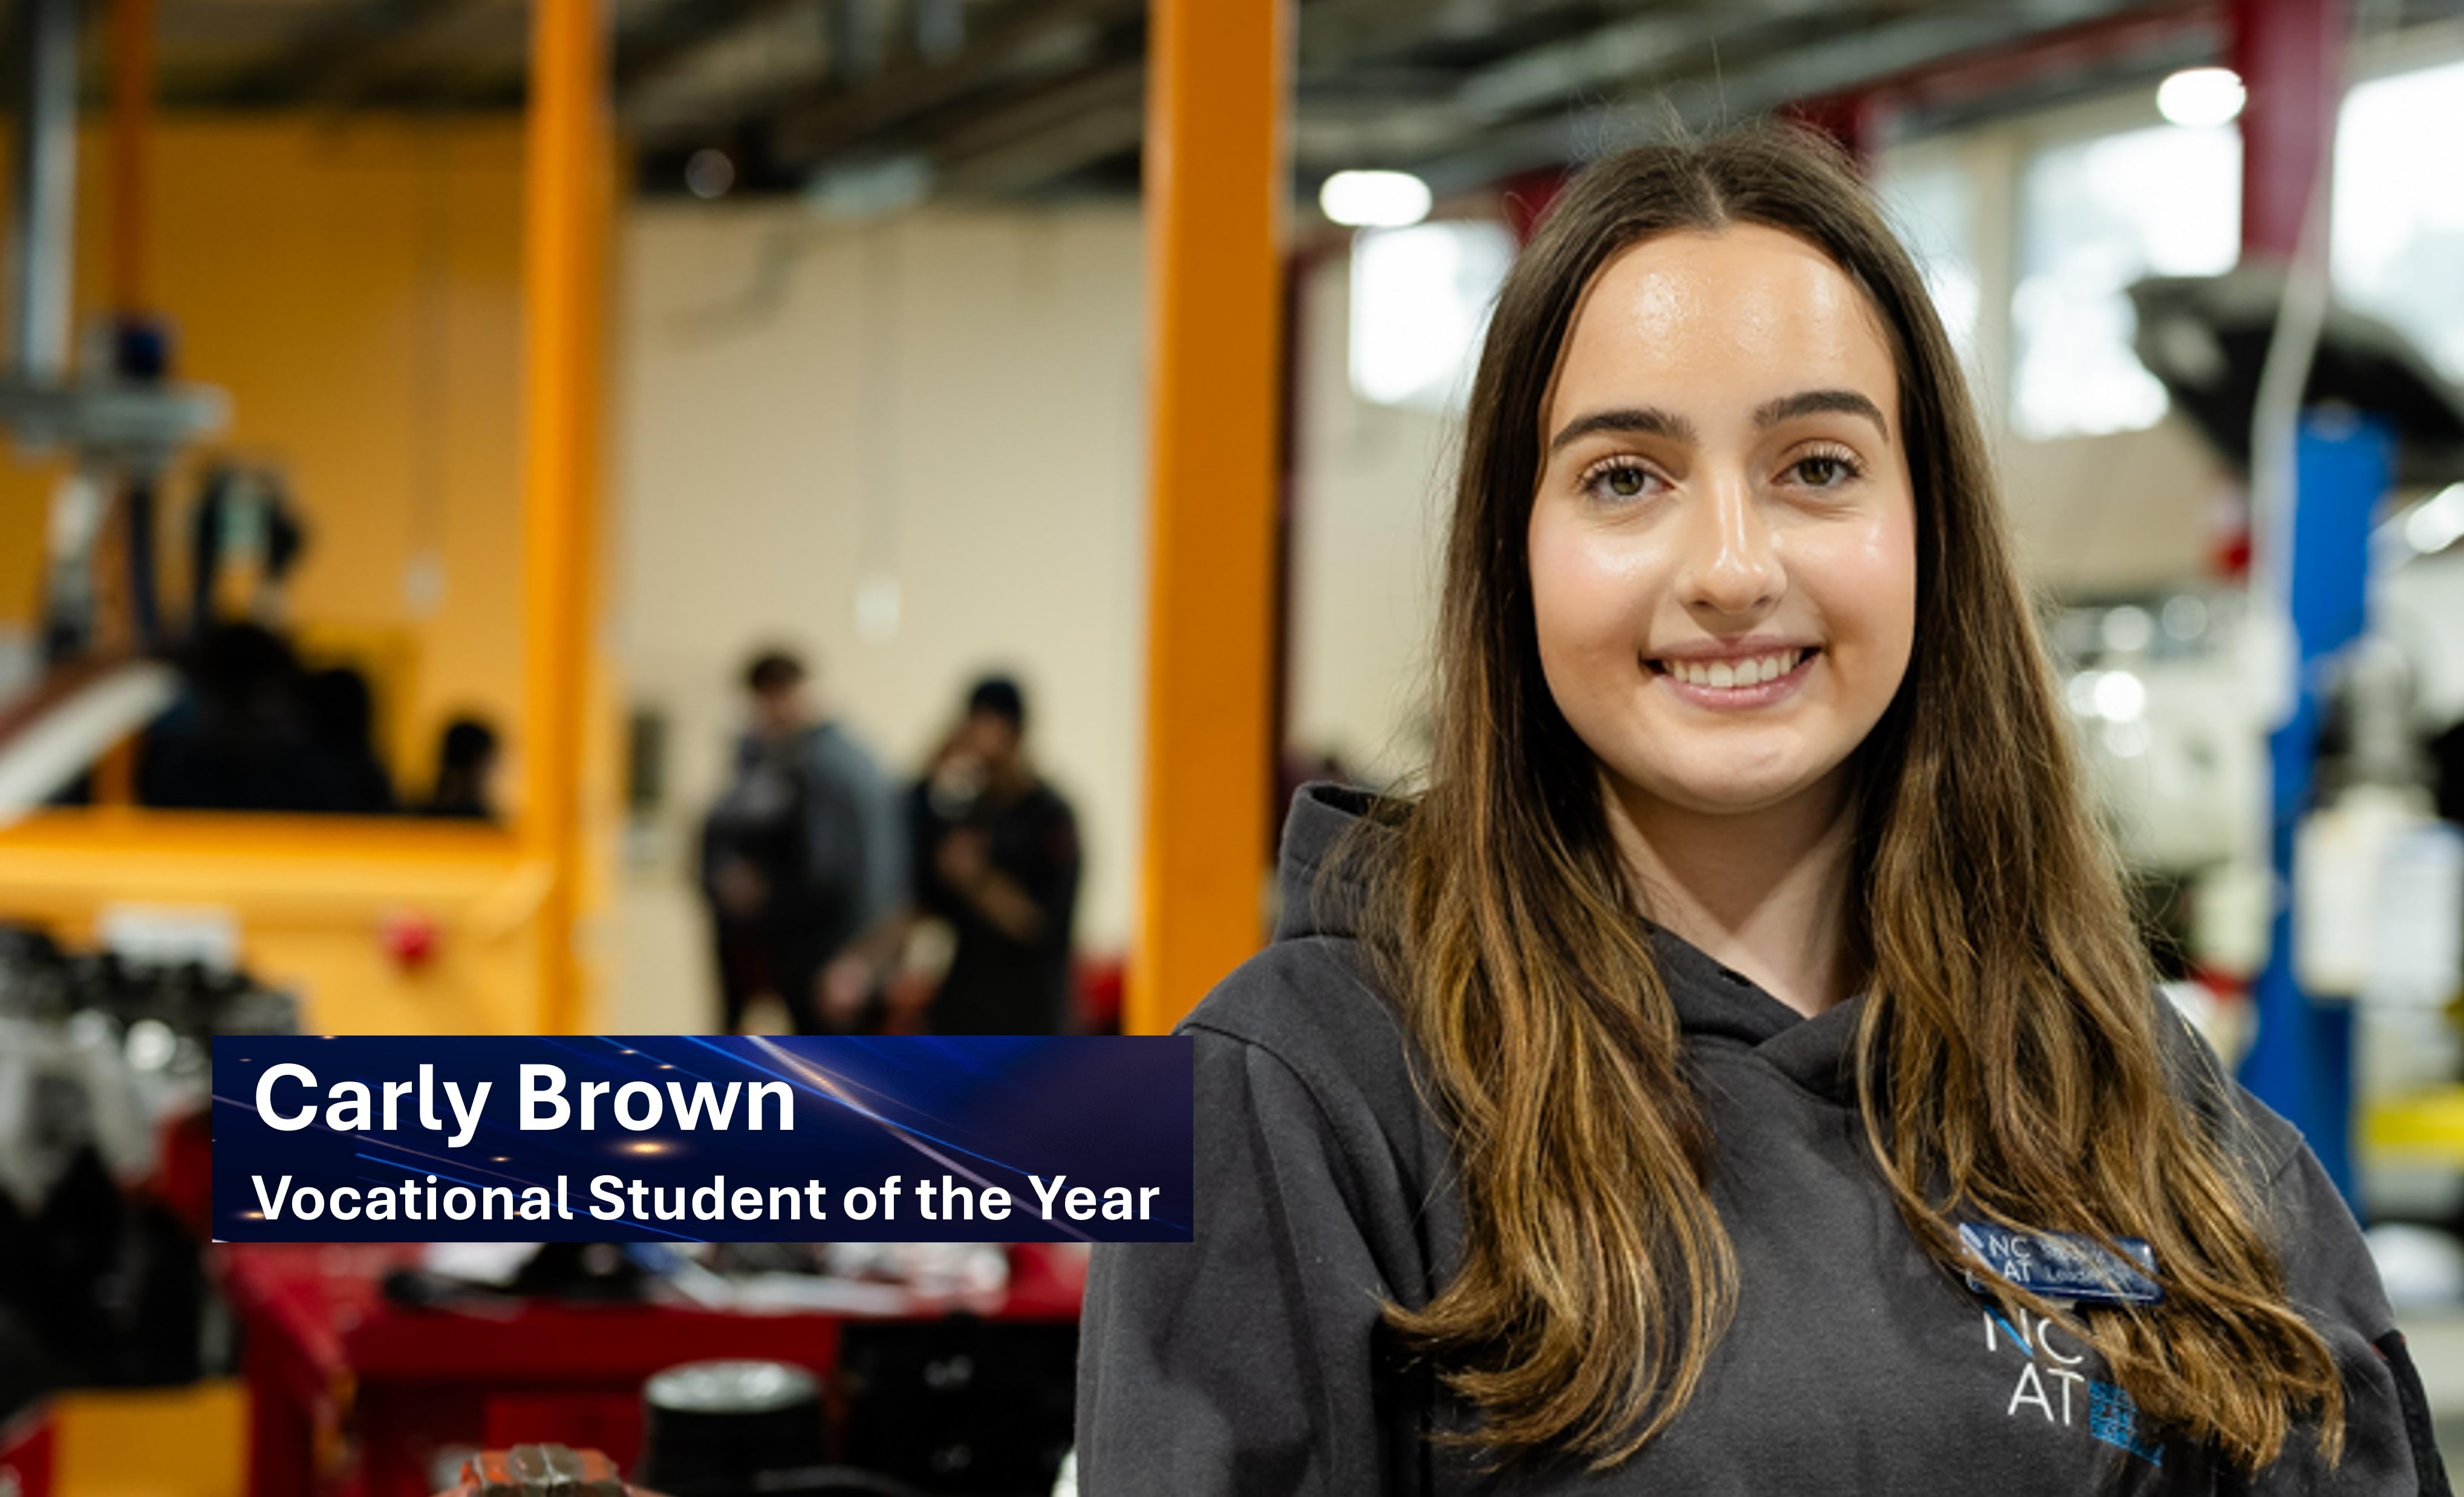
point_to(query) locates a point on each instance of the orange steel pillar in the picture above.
(566, 176)
(1218, 89)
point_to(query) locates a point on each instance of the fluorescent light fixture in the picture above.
(2200, 97)
(1419, 304)
(1375, 199)
(2437, 522)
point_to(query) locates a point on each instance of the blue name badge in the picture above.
(2064, 1266)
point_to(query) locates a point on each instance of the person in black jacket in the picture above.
(994, 852)
(1737, 1071)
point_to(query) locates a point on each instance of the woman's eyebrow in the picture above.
(1815, 403)
(1647, 420)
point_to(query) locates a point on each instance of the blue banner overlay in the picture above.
(593, 1138)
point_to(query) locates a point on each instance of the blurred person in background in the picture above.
(995, 851)
(996, 857)
(254, 730)
(803, 850)
(466, 764)
(341, 726)
(237, 740)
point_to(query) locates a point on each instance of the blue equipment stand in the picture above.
(2300, 1062)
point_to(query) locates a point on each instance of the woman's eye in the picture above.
(1823, 471)
(1619, 481)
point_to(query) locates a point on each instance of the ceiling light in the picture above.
(1375, 199)
(2200, 97)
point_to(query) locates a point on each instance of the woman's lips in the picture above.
(1777, 676)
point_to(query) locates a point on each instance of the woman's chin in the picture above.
(1728, 791)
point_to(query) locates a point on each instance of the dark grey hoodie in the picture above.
(1253, 1361)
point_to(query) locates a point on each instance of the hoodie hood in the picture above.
(1324, 897)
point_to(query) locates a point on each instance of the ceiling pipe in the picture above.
(42, 207)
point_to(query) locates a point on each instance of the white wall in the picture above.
(952, 400)
(1374, 486)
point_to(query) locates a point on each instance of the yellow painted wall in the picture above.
(356, 288)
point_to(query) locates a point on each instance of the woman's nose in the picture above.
(1731, 566)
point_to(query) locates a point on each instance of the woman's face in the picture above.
(1724, 542)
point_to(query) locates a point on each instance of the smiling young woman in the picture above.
(1736, 1071)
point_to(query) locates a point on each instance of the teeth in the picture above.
(1735, 674)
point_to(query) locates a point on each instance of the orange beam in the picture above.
(408, 842)
(132, 117)
(567, 184)
(1218, 95)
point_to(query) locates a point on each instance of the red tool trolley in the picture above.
(355, 1394)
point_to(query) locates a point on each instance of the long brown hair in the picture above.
(1990, 928)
